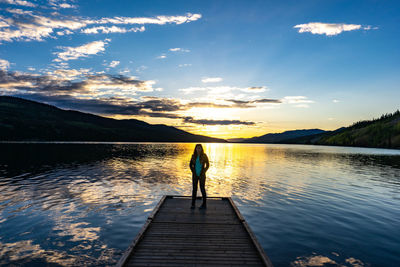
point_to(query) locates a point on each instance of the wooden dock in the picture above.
(175, 235)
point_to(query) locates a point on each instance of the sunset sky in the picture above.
(220, 68)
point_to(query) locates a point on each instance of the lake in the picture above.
(64, 204)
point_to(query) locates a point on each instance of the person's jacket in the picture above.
(205, 164)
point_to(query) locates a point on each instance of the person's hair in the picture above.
(195, 151)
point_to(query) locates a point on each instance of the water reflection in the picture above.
(71, 204)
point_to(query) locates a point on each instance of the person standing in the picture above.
(199, 164)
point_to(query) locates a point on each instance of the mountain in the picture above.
(383, 132)
(280, 137)
(23, 120)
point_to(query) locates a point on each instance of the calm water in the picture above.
(82, 204)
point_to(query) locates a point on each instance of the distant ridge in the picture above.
(274, 138)
(26, 120)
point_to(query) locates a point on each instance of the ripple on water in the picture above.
(82, 204)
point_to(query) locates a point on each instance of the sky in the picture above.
(225, 69)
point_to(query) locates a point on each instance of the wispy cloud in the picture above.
(18, 3)
(217, 122)
(4, 64)
(250, 103)
(85, 50)
(223, 89)
(212, 90)
(211, 80)
(18, 11)
(30, 26)
(112, 29)
(26, 26)
(114, 63)
(178, 49)
(160, 20)
(255, 89)
(64, 32)
(56, 4)
(184, 65)
(298, 101)
(163, 56)
(140, 69)
(66, 5)
(329, 29)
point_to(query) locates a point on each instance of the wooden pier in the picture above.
(175, 235)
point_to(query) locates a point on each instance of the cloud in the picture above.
(178, 49)
(148, 107)
(26, 26)
(335, 101)
(106, 94)
(163, 56)
(369, 27)
(207, 105)
(29, 26)
(222, 90)
(112, 29)
(184, 65)
(250, 103)
(298, 101)
(68, 74)
(77, 83)
(4, 64)
(85, 50)
(18, 11)
(18, 3)
(160, 20)
(210, 90)
(55, 4)
(211, 80)
(65, 5)
(114, 63)
(255, 89)
(329, 29)
(141, 68)
(191, 90)
(217, 122)
(65, 32)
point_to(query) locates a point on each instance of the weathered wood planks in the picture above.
(175, 235)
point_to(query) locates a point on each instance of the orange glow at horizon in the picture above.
(276, 124)
(217, 131)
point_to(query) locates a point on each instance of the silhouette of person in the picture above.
(199, 164)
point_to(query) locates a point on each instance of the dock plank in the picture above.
(175, 235)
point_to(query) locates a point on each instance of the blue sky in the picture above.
(221, 68)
